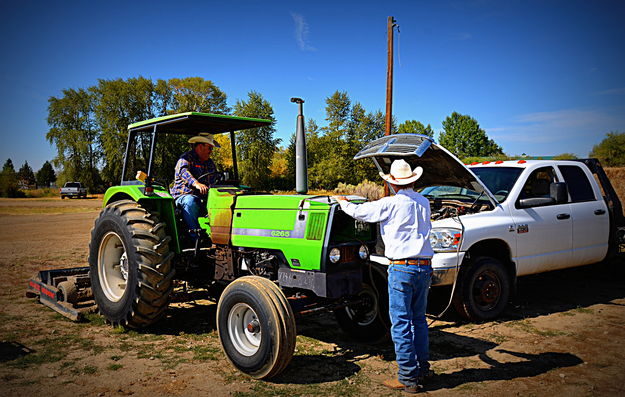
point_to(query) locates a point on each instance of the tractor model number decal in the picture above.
(280, 233)
(239, 231)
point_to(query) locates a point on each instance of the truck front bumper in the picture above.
(445, 266)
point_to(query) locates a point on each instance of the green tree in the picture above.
(611, 150)
(194, 94)
(76, 135)
(256, 146)
(415, 127)
(8, 181)
(46, 175)
(463, 137)
(26, 174)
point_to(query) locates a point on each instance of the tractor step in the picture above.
(67, 291)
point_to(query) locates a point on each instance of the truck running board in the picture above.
(67, 291)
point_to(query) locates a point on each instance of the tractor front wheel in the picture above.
(130, 265)
(256, 327)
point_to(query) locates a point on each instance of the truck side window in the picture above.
(537, 184)
(577, 183)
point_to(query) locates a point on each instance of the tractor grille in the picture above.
(314, 231)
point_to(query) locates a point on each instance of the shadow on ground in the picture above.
(532, 365)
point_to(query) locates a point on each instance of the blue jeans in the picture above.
(191, 207)
(408, 287)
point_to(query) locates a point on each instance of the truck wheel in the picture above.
(482, 292)
(368, 319)
(255, 327)
(130, 265)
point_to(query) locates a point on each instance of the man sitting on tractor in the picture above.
(188, 191)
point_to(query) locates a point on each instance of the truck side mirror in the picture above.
(559, 192)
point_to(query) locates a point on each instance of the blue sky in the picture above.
(541, 77)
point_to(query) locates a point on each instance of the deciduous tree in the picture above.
(75, 133)
(463, 137)
(256, 146)
(611, 150)
(415, 127)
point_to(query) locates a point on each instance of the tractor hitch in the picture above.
(66, 291)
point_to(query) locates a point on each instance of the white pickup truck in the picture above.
(73, 189)
(495, 221)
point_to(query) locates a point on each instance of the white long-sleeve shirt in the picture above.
(404, 223)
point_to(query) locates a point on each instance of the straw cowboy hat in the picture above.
(401, 173)
(204, 137)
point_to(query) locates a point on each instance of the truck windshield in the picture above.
(499, 180)
(72, 184)
(450, 192)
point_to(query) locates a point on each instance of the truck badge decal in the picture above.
(522, 229)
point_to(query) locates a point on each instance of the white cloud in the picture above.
(569, 130)
(612, 91)
(301, 32)
(462, 36)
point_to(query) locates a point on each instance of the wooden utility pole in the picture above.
(389, 76)
(389, 85)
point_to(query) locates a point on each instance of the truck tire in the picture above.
(368, 321)
(483, 290)
(255, 327)
(130, 265)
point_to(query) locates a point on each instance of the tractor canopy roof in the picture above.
(192, 123)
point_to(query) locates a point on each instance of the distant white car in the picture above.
(73, 189)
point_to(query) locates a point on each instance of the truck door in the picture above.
(544, 232)
(591, 223)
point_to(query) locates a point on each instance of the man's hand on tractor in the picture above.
(201, 187)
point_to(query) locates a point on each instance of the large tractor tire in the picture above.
(256, 327)
(130, 265)
(368, 319)
(483, 290)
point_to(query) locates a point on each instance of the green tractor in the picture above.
(264, 258)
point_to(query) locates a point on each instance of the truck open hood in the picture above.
(440, 167)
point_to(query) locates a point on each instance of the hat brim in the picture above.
(416, 174)
(203, 139)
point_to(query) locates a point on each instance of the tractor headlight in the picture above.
(335, 255)
(363, 252)
(445, 240)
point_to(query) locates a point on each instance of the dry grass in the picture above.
(370, 190)
(617, 178)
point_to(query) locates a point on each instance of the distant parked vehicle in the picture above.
(73, 189)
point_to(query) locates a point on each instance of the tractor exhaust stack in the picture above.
(301, 162)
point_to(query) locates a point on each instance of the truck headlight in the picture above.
(363, 252)
(335, 255)
(445, 240)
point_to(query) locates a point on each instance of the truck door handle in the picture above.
(599, 212)
(563, 216)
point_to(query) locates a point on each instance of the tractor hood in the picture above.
(440, 167)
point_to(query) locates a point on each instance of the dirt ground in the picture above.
(563, 334)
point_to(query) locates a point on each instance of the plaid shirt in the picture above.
(188, 169)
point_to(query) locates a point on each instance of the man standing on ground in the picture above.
(188, 190)
(405, 228)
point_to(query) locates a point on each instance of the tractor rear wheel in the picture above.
(256, 327)
(368, 320)
(130, 265)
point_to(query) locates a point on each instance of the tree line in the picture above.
(88, 126)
